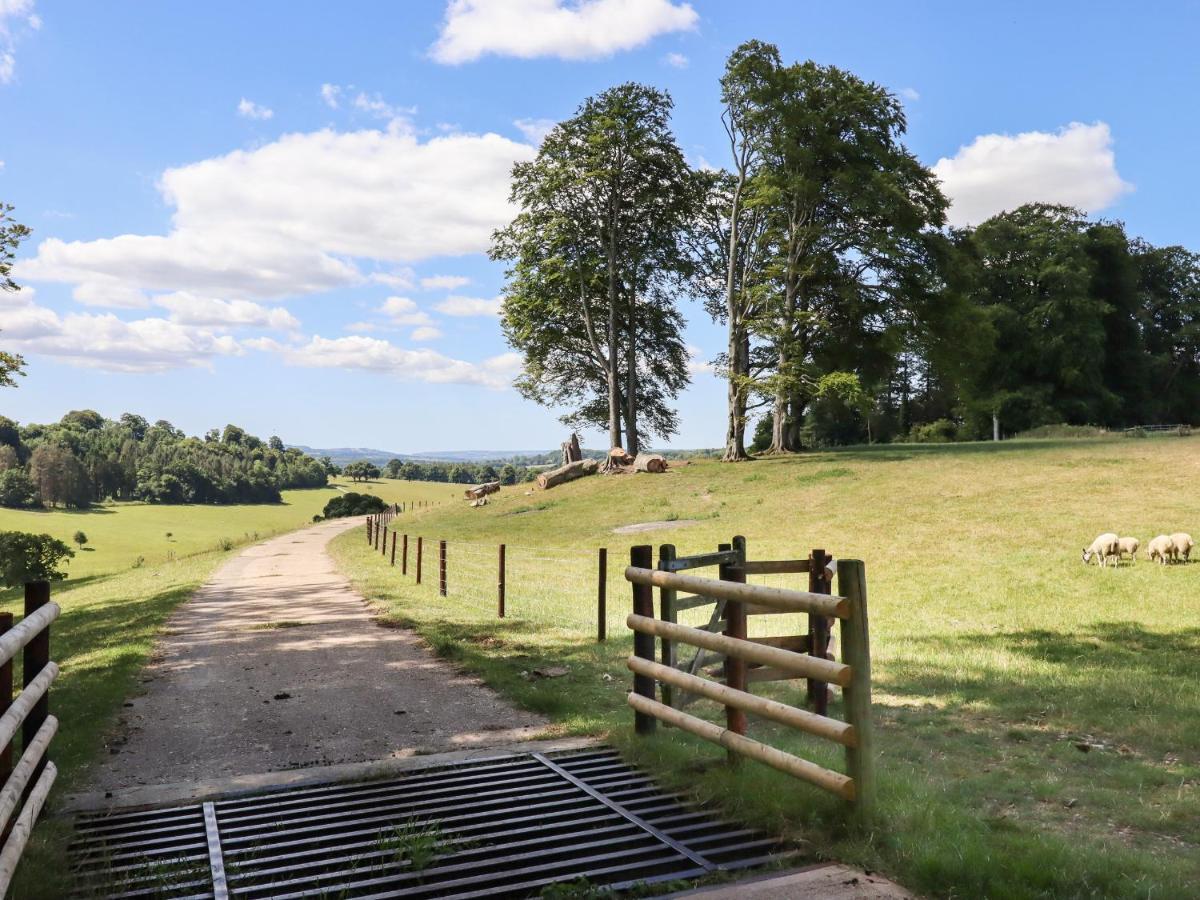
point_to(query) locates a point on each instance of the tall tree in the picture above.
(595, 256)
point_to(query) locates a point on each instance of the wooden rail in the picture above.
(779, 657)
(26, 785)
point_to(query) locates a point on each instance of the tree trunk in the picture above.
(995, 426)
(739, 368)
(631, 435)
(649, 462)
(482, 490)
(614, 408)
(566, 473)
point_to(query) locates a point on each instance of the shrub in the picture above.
(352, 504)
(1062, 431)
(31, 557)
(939, 431)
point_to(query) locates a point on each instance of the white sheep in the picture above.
(1105, 547)
(1128, 546)
(1161, 548)
(1183, 544)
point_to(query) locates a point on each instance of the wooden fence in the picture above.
(25, 785)
(736, 600)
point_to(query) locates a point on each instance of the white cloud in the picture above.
(375, 355)
(403, 311)
(426, 333)
(911, 94)
(996, 172)
(331, 94)
(676, 60)
(292, 216)
(400, 279)
(469, 306)
(535, 130)
(444, 282)
(376, 106)
(696, 363)
(189, 309)
(586, 29)
(248, 109)
(16, 18)
(110, 292)
(362, 327)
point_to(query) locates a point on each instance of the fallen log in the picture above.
(566, 473)
(482, 490)
(650, 462)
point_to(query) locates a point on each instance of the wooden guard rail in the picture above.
(27, 784)
(852, 674)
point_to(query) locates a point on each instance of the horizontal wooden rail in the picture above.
(16, 714)
(10, 796)
(834, 782)
(29, 628)
(774, 567)
(805, 666)
(19, 837)
(802, 720)
(755, 595)
(719, 558)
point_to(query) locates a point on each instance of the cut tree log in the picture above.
(570, 450)
(649, 462)
(619, 456)
(566, 473)
(482, 490)
(482, 501)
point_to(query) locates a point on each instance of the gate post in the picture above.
(856, 653)
(735, 627)
(818, 630)
(642, 557)
(602, 595)
(666, 612)
(35, 657)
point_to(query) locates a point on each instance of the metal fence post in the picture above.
(642, 557)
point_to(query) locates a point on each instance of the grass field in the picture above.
(113, 609)
(997, 654)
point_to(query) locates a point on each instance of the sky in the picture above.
(277, 213)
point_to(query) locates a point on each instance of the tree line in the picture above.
(448, 473)
(85, 458)
(853, 312)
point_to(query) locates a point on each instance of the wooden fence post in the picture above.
(602, 595)
(420, 541)
(442, 568)
(368, 529)
(384, 530)
(393, 549)
(818, 630)
(35, 658)
(735, 627)
(666, 612)
(500, 584)
(856, 653)
(404, 556)
(6, 696)
(376, 536)
(643, 644)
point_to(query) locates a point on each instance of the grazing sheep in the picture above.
(1128, 546)
(1161, 548)
(1183, 544)
(1105, 547)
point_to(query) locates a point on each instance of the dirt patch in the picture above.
(655, 526)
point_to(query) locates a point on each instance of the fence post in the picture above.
(420, 541)
(735, 627)
(500, 584)
(384, 531)
(35, 658)
(442, 568)
(643, 644)
(818, 630)
(6, 696)
(377, 529)
(666, 612)
(368, 529)
(404, 556)
(856, 653)
(393, 549)
(602, 595)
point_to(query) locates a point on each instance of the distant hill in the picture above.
(343, 455)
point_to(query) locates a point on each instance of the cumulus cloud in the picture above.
(696, 363)
(17, 18)
(676, 60)
(426, 333)
(1074, 166)
(404, 311)
(110, 292)
(535, 130)
(190, 309)
(911, 94)
(444, 282)
(588, 29)
(242, 226)
(469, 306)
(376, 355)
(248, 109)
(332, 95)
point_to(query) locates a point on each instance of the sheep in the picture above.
(1161, 548)
(1129, 546)
(1106, 547)
(1183, 544)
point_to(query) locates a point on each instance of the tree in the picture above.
(59, 476)
(394, 468)
(508, 474)
(17, 490)
(79, 538)
(11, 235)
(361, 470)
(26, 558)
(275, 443)
(595, 255)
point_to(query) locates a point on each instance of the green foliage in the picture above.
(17, 490)
(415, 842)
(25, 558)
(11, 235)
(361, 471)
(352, 504)
(939, 431)
(79, 538)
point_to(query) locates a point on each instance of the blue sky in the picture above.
(275, 213)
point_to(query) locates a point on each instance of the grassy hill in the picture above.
(1039, 720)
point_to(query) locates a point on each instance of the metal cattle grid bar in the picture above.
(504, 826)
